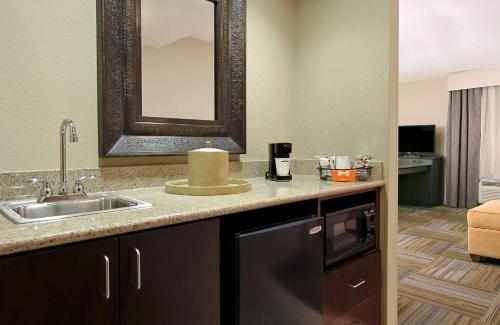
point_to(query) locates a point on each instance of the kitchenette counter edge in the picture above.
(168, 209)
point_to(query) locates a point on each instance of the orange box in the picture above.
(344, 175)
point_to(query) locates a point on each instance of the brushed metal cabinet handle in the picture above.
(139, 275)
(107, 292)
(358, 284)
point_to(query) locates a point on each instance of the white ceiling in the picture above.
(166, 21)
(437, 37)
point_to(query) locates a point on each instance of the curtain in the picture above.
(489, 162)
(463, 148)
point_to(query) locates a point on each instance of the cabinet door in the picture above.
(170, 276)
(69, 285)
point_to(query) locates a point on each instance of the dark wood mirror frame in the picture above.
(123, 131)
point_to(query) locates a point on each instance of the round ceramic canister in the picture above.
(208, 166)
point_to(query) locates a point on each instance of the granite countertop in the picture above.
(168, 209)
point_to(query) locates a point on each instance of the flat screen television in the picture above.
(417, 138)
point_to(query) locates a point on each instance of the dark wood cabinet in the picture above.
(163, 276)
(171, 275)
(75, 285)
(353, 292)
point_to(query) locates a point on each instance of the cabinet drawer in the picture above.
(369, 311)
(348, 318)
(351, 284)
(366, 313)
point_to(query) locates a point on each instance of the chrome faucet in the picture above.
(73, 137)
(46, 194)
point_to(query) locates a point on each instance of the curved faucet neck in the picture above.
(73, 138)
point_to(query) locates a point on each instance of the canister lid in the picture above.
(208, 148)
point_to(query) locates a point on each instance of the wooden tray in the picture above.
(234, 186)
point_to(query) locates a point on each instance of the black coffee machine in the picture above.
(279, 162)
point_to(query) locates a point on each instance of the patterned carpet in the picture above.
(438, 283)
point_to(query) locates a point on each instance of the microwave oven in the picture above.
(350, 232)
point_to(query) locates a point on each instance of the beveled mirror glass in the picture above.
(178, 59)
(172, 76)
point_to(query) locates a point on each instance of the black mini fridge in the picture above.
(279, 272)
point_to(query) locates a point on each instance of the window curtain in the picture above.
(489, 166)
(463, 148)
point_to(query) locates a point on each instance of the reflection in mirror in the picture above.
(178, 79)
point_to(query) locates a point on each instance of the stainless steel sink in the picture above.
(31, 211)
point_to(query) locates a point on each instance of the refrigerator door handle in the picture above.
(315, 230)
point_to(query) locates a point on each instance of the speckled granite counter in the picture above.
(167, 209)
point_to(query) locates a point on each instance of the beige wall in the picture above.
(474, 79)
(270, 74)
(389, 222)
(48, 73)
(342, 78)
(425, 102)
(48, 64)
(178, 80)
(346, 97)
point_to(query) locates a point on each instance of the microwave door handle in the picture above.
(363, 227)
(359, 227)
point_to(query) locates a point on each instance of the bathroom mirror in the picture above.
(178, 59)
(171, 76)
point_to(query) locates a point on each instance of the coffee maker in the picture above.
(279, 162)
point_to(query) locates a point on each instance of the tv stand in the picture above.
(420, 179)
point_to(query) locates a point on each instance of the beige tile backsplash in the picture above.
(14, 185)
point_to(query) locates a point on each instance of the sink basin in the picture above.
(31, 211)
